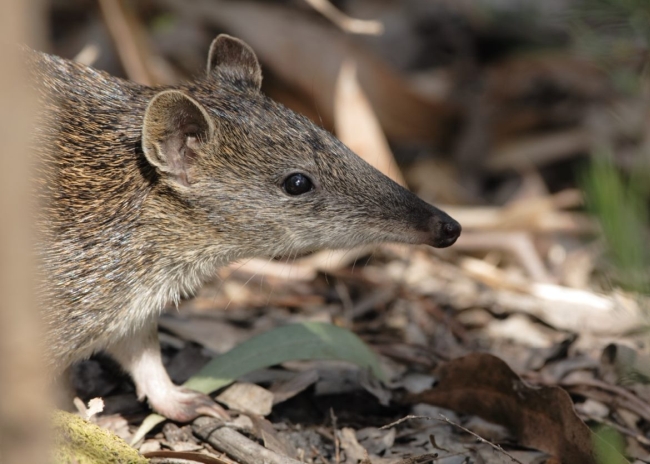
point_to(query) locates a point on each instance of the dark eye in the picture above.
(297, 184)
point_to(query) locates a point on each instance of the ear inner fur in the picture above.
(233, 59)
(174, 126)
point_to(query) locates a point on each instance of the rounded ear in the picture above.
(234, 60)
(175, 126)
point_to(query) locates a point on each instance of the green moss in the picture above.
(80, 442)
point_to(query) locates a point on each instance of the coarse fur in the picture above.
(147, 191)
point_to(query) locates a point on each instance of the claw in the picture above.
(183, 405)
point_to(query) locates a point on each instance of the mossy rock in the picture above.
(80, 442)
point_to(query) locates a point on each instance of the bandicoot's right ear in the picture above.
(175, 126)
(233, 60)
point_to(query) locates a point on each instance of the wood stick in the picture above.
(234, 444)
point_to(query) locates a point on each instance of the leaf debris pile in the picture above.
(529, 332)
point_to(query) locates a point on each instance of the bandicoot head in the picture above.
(267, 179)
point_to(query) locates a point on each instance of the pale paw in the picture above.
(183, 405)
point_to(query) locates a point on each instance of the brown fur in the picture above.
(147, 191)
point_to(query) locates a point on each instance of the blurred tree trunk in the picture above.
(24, 414)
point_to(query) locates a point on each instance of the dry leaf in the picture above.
(95, 406)
(307, 55)
(298, 383)
(541, 417)
(248, 397)
(357, 125)
(272, 440)
(346, 23)
(353, 450)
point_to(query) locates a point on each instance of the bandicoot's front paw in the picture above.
(183, 405)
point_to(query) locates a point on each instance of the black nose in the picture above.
(448, 232)
(451, 230)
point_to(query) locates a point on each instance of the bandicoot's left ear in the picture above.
(232, 59)
(175, 126)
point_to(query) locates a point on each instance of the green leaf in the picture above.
(619, 203)
(609, 446)
(304, 341)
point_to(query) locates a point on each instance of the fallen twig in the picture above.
(447, 420)
(126, 42)
(517, 243)
(352, 25)
(236, 445)
(480, 438)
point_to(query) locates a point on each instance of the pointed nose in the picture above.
(445, 232)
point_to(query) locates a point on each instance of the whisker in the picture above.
(231, 274)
